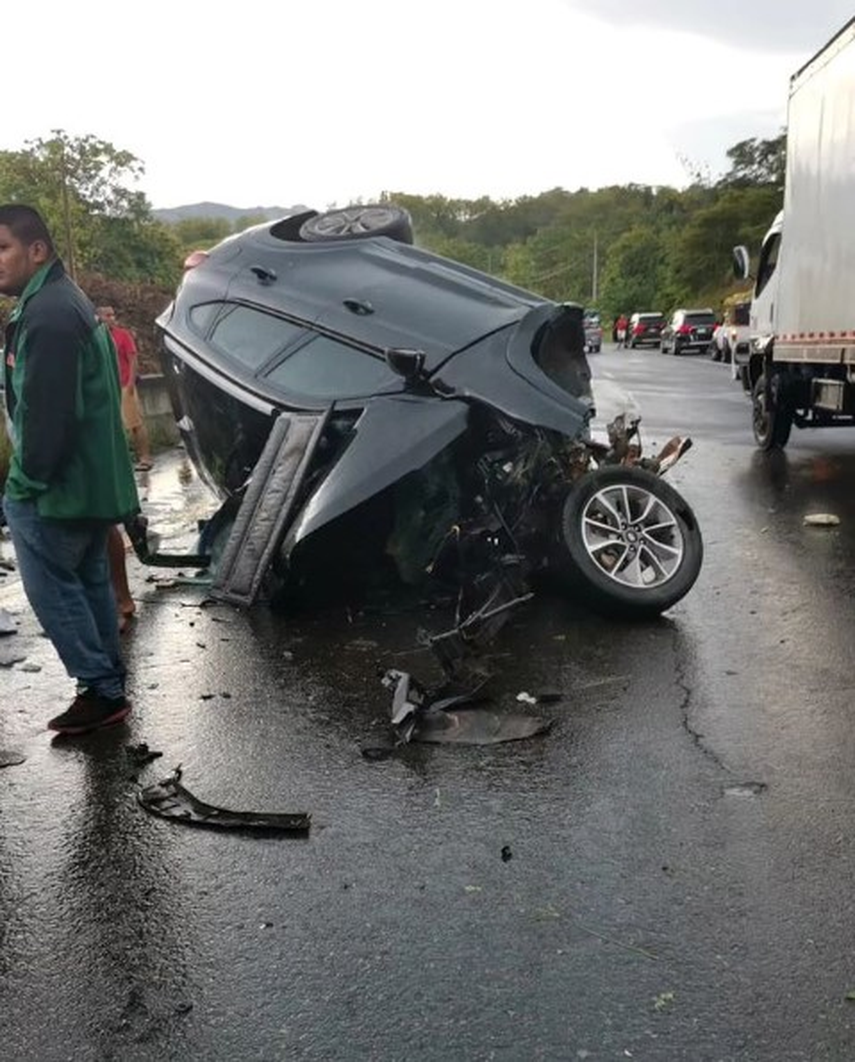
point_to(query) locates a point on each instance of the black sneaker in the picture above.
(88, 712)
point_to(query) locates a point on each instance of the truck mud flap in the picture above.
(265, 513)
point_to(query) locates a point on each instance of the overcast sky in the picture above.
(279, 102)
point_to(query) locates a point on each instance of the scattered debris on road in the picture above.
(8, 624)
(171, 800)
(822, 520)
(140, 755)
(11, 758)
(424, 716)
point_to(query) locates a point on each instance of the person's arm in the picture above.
(48, 416)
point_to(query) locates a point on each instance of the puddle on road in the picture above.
(174, 498)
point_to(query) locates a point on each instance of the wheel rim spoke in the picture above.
(632, 536)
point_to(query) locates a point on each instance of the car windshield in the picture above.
(700, 318)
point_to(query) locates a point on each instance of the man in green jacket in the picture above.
(70, 476)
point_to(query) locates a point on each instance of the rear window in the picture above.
(651, 318)
(742, 313)
(699, 318)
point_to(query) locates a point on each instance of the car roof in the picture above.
(376, 291)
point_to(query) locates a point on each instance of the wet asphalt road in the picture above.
(681, 857)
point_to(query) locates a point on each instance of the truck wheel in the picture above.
(771, 421)
(628, 542)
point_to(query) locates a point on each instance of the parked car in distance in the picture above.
(645, 328)
(593, 332)
(732, 336)
(688, 330)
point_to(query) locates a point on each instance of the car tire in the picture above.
(714, 351)
(629, 543)
(772, 425)
(358, 223)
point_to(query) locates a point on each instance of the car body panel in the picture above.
(369, 464)
(374, 291)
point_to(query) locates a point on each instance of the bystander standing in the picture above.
(132, 417)
(70, 476)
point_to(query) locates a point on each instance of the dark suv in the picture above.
(645, 328)
(365, 408)
(688, 330)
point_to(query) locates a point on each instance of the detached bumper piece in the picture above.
(267, 507)
(170, 800)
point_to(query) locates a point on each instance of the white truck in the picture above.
(800, 366)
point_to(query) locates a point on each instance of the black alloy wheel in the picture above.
(629, 543)
(358, 223)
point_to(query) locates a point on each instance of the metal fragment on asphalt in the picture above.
(171, 800)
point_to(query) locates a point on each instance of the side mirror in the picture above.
(405, 362)
(741, 263)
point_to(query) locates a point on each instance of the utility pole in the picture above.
(594, 291)
(66, 214)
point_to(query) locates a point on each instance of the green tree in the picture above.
(194, 234)
(700, 256)
(754, 162)
(83, 188)
(632, 277)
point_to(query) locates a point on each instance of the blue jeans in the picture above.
(66, 575)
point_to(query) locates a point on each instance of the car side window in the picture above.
(326, 368)
(251, 337)
(768, 261)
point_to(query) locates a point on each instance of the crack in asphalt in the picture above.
(698, 739)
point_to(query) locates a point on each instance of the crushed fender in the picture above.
(171, 800)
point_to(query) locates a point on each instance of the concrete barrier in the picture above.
(157, 409)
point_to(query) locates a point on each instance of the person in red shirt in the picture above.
(126, 351)
(621, 326)
(132, 418)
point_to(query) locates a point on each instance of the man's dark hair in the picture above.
(26, 224)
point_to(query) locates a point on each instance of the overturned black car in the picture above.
(364, 407)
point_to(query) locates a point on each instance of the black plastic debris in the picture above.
(171, 800)
(11, 758)
(140, 755)
(424, 716)
(477, 726)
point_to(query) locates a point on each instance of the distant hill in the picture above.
(170, 215)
